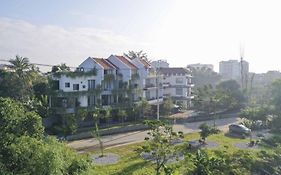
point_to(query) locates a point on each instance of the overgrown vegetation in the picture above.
(25, 150)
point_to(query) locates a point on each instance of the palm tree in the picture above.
(20, 65)
(134, 54)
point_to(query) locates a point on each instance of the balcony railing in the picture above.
(150, 85)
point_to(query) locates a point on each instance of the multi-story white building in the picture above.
(106, 82)
(177, 84)
(200, 66)
(232, 69)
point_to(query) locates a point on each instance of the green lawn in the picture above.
(131, 163)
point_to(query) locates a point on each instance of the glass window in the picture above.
(91, 84)
(76, 87)
(91, 100)
(67, 84)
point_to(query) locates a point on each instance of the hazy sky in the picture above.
(180, 31)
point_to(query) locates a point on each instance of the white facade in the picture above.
(232, 69)
(122, 69)
(177, 84)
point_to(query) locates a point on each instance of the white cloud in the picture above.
(53, 44)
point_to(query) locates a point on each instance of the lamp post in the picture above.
(157, 87)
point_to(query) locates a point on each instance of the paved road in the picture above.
(138, 136)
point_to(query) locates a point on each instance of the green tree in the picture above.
(159, 144)
(122, 114)
(21, 65)
(24, 149)
(18, 84)
(276, 95)
(167, 106)
(97, 115)
(204, 76)
(232, 95)
(16, 121)
(61, 67)
(134, 54)
(255, 113)
(220, 162)
(206, 165)
(207, 130)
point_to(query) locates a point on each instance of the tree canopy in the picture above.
(25, 150)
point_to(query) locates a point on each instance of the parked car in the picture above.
(239, 128)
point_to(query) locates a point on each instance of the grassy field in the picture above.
(131, 163)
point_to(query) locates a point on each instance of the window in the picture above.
(91, 84)
(67, 85)
(179, 91)
(91, 100)
(179, 80)
(76, 87)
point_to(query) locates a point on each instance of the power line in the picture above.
(73, 67)
(39, 64)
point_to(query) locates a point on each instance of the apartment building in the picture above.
(177, 84)
(231, 69)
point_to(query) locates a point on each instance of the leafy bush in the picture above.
(273, 141)
(207, 130)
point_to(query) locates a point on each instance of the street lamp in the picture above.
(157, 87)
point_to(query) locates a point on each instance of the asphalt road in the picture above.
(138, 136)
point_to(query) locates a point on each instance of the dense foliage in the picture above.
(225, 96)
(25, 150)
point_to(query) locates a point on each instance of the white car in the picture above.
(239, 128)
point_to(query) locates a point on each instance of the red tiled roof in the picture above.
(127, 62)
(103, 63)
(145, 63)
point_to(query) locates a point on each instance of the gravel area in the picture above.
(177, 142)
(172, 159)
(245, 145)
(210, 144)
(108, 158)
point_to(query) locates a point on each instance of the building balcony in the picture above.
(178, 85)
(182, 97)
(150, 85)
(155, 101)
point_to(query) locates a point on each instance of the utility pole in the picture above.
(157, 91)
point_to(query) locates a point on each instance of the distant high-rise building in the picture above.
(200, 66)
(160, 64)
(231, 69)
